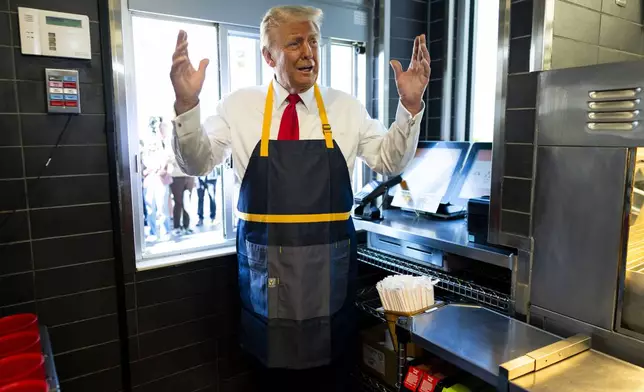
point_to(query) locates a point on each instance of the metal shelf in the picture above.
(464, 289)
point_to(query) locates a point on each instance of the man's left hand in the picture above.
(412, 83)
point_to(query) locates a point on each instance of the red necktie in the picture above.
(289, 127)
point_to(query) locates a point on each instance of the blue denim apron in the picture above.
(296, 249)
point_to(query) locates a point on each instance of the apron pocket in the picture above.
(257, 265)
(312, 280)
(340, 261)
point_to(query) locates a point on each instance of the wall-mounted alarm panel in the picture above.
(63, 91)
(58, 34)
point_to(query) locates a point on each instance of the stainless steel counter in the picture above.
(447, 235)
(476, 339)
(479, 341)
(590, 371)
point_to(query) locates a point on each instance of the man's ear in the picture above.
(268, 57)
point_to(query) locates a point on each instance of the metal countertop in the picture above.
(447, 235)
(476, 339)
(590, 371)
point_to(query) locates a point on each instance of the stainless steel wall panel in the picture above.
(578, 209)
(564, 105)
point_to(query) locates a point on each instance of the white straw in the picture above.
(404, 293)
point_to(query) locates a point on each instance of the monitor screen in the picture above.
(478, 178)
(427, 178)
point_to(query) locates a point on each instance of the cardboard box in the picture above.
(378, 355)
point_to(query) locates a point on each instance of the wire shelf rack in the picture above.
(370, 384)
(464, 289)
(368, 301)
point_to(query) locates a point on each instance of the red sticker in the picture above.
(69, 85)
(57, 103)
(428, 383)
(413, 378)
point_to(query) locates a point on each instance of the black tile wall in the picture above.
(70, 337)
(15, 289)
(521, 18)
(520, 125)
(9, 131)
(104, 381)
(14, 227)
(67, 160)
(403, 27)
(436, 51)
(5, 35)
(59, 252)
(515, 223)
(13, 195)
(30, 68)
(196, 379)
(44, 130)
(62, 221)
(409, 18)
(519, 55)
(181, 335)
(60, 191)
(88, 360)
(520, 112)
(81, 306)
(173, 362)
(15, 258)
(180, 328)
(74, 279)
(56, 250)
(6, 63)
(518, 160)
(516, 194)
(11, 162)
(522, 90)
(7, 96)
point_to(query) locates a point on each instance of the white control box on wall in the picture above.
(49, 33)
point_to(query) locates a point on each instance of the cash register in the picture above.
(444, 180)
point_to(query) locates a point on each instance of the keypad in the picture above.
(63, 90)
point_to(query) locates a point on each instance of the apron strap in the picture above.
(266, 125)
(326, 127)
(268, 116)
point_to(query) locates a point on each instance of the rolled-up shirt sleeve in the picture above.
(389, 152)
(198, 147)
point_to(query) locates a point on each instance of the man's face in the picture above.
(294, 55)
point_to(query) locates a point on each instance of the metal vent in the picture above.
(614, 110)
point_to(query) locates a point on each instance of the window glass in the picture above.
(484, 72)
(342, 69)
(361, 68)
(180, 213)
(243, 57)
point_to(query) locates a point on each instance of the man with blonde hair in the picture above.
(294, 145)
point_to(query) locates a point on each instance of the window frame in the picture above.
(142, 261)
(360, 169)
(132, 232)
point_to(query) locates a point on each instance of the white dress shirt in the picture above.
(237, 127)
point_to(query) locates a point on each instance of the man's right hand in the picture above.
(186, 80)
